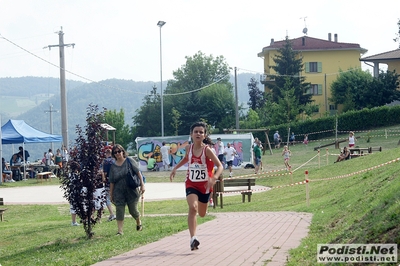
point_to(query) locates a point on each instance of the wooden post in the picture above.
(319, 159)
(267, 142)
(307, 190)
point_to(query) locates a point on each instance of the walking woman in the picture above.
(120, 194)
(286, 153)
(198, 181)
(352, 139)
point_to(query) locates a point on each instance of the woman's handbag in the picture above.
(132, 180)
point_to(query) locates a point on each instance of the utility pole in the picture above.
(51, 122)
(63, 94)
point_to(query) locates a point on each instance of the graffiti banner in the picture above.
(150, 147)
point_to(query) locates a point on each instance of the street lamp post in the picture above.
(160, 24)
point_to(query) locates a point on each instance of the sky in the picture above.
(120, 38)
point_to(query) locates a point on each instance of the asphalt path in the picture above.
(53, 194)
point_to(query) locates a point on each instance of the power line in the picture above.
(72, 73)
(104, 85)
(202, 88)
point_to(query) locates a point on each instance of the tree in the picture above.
(285, 110)
(383, 90)
(123, 136)
(346, 88)
(217, 106)
(81, 177)
(251, 121)
(147, 120)
(215, 101)
(357, 89)
(175, 116)
(288, 106)
(257, 98)
(289, 65)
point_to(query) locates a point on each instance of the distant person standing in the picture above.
(255, 143)
(305, 141)
(65, 155)
(58, 161)
(49, 158)
(229, 153)
(44, 158)
(165, 152)
(286, 153)
(49, 161)
(107, 162)
(352, 139)
(277, 138)
(292, 139)
(257, 156)
(221, 151)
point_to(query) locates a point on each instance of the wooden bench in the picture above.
(1, 214)
(220, 186)
(371, 149)
(43, 175)
(356, 152)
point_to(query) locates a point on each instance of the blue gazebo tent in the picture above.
(18, 132)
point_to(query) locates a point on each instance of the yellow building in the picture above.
(322, 61)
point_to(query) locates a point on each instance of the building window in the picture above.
(313, 67)
(332, 107)
(315, 89)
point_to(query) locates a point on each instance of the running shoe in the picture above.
(194, 243)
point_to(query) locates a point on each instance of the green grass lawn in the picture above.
(349, 205)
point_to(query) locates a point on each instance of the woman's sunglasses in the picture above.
(115, 152)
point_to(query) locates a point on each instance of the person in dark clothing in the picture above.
(23, 154)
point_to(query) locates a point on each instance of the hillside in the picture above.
(28, 98)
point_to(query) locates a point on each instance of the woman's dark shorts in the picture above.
(202, 197)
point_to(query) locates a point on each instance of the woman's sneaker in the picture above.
(111, 218)
(194, 243)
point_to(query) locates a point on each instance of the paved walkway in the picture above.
(239, 238)
(53, 194)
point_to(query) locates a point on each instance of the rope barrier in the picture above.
(311, 180)
(291, 185)
(257, 175)
(357, 172)
(305, 163)
(388, 130)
